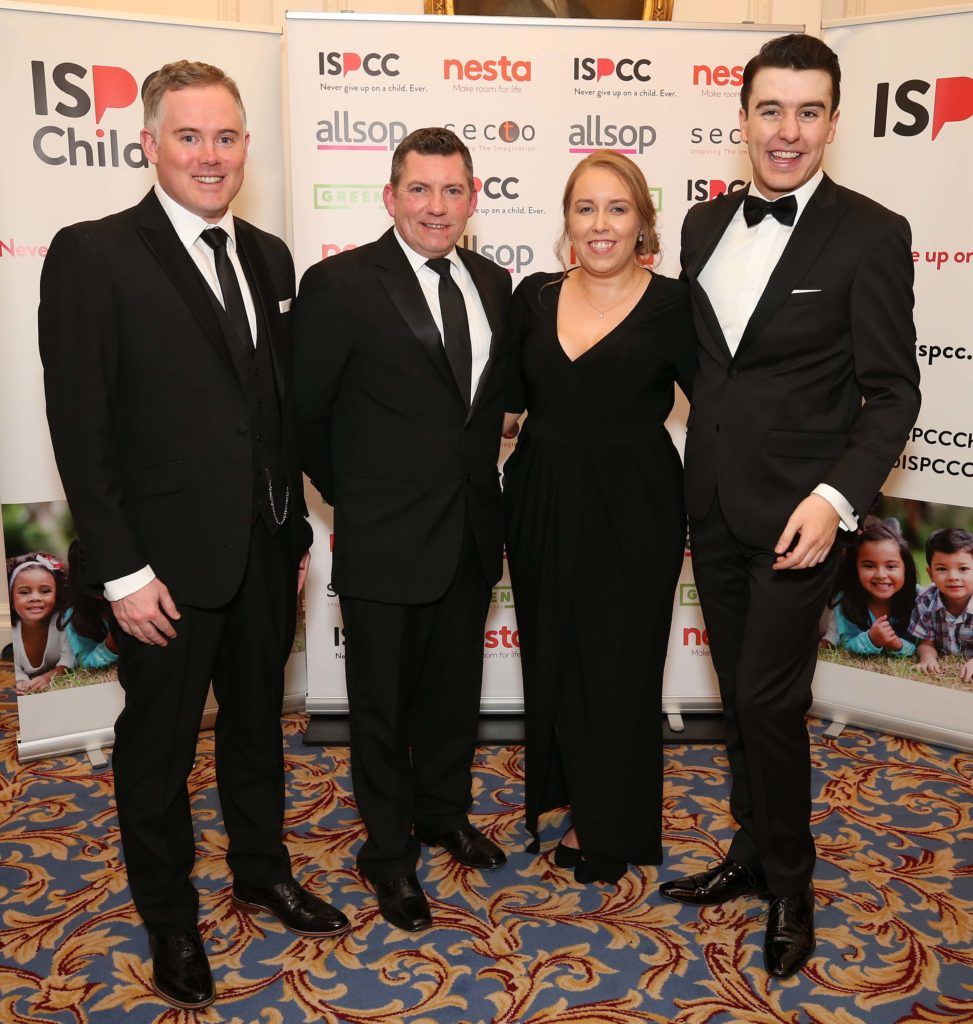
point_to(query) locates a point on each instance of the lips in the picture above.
(602, 246)
(208, 179)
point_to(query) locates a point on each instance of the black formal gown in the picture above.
(595, 539)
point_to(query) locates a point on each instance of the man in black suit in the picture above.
(399, 365)
(168, 396)
(807, 388)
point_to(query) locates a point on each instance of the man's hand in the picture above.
(302, 567)
(145, 614)
(816, 521)
(511, 426)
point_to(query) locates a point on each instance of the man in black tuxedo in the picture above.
(806, 391)
(399, 369)
(166, 367)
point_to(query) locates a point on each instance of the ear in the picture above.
(246, 145)
(149, 146)
(833, 126)
(473, 200)
(388, 197)
(742, 117)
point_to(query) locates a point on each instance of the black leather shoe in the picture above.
(709, 888)
(403, 904)
(180, 970)
(790, 933)
(566, 856)
(469, 846)
(298, 910)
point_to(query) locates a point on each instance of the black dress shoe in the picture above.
(469, 846)
(180, 970)
(566, 856)
(790, 933)
(298, 910)
(403, 904)
(709, 888)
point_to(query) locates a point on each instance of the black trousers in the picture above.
(414, 674)
(763, 634)
(242, 648)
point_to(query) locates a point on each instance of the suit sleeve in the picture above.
(79, 348)
(322, 347)
(518, 323)
(883, 344)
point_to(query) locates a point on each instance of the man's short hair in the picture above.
(430, 142)
(949, 541)
(798, 52)
(183, 74)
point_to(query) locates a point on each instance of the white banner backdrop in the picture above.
(71, 114)
(529, 97)
(905, 138)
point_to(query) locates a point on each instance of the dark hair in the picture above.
(798, 52)
(854, 600)
(183, 74)
(60, 582)
(430, 142)
(949, 541)
(87, 611)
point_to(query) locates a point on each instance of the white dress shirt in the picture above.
(480, 332)
(189, 227)
(735, 277)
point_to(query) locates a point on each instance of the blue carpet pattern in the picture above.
(522, 945)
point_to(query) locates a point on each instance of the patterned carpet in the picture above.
(526, 944)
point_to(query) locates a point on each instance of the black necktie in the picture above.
(236, 311)
(755, 209)
(456, 327)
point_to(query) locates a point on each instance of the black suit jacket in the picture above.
(824, 386)
(386, 436)
(148, 416)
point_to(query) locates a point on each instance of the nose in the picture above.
(208, 153)
(789, 128)
(437, 202)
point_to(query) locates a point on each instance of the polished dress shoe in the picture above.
(298, 910)
(180, 970)
(469, 846)
(566, 856)
(790, 933)
(709, 888)
(403, 904)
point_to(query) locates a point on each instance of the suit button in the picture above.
(241, 427)
(734, 374)
(260, 403)
(260, 437)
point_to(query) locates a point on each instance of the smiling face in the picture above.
(786, 127)
(33, 595)
(881, 571)
(431, 202)
(199, 149)
(953, 575)
(603, 223)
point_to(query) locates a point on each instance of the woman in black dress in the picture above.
(596, 527)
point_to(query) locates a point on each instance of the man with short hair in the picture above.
(806, 391)
(166, 369)
(399, 363)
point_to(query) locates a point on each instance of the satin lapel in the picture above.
(263, 292)
(494, 314)
(811, 233)
(720, 214)
(399, 281)
(159, 235)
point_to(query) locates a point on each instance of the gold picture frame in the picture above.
(630, 10)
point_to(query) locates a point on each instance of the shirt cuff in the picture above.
(849, 521)
(115, 590)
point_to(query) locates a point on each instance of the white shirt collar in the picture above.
(802, 194)
(188, 225)
(416, 260)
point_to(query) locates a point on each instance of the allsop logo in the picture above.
(626, 69)
(502, 68)
(595, 134)
(68, 92)
(340, 132)
(952, 101)
(373, 64)
(346, 197)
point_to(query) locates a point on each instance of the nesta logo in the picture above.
(487, 70)
(710, 188)
(497, 188)
(333, 248)
(703, 74)
(595, 134)
(952, 101)
(111, 88)
(344, 134)
(373, 64)
(626, 70)
(502, 637)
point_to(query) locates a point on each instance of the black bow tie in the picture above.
(755, 209)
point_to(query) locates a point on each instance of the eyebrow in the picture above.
(777, 103)
(199, 131)
(621, 199)
(426, 184)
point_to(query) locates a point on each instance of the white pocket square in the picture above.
(805, 291)
(285, 305)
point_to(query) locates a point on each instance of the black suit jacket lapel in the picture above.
(494, 314)
(824, 211)
(399, 280)
(263, 293)
(160, 236)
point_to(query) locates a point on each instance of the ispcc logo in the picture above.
(626, 69)
(340, 132)
(698, 189)
(952, 101)
(497, 188)
(374, 64)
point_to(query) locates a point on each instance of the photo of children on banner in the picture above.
(942, 620)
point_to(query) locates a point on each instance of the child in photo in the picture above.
(38, 597)
(876, 594)
(943, 617)
(87, 622)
